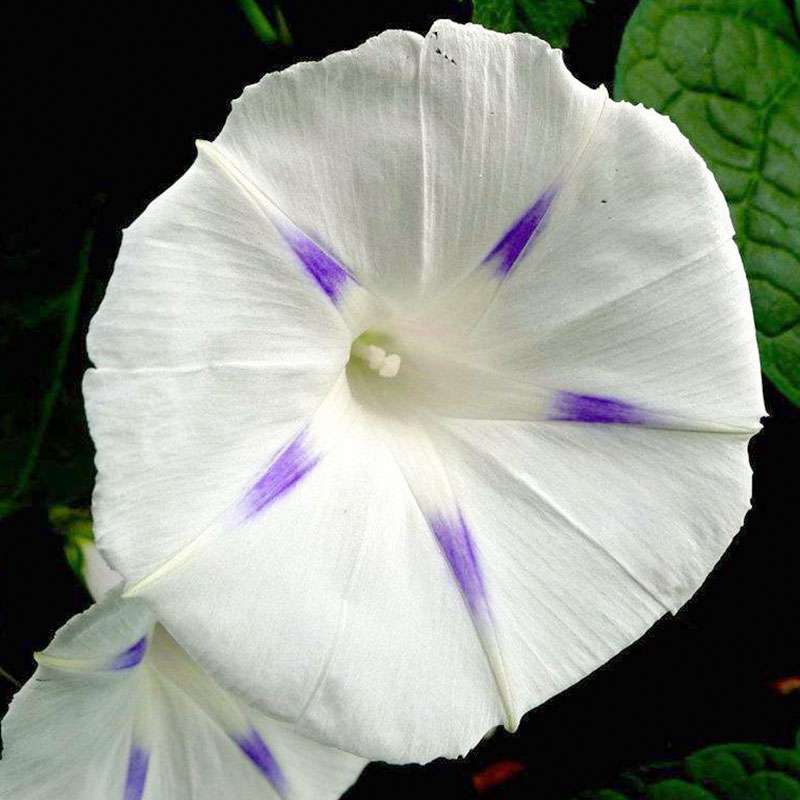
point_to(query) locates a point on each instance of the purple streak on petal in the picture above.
(571, 407)
(132, 656)
(507, 252)
(330, 275)
(456, 542)
(137, 773)
(254, 747)
(284, 472)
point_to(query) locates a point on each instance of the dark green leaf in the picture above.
(676, 789)
(551, 20)
(787, 761)
(728, 73)
(767, 786)
(720, 772)
(721, 768)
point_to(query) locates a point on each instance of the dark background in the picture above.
(102, 104)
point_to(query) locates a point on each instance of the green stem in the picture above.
(263, 28)
(10, 678)
(284, 37)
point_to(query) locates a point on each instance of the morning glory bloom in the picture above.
(117, 711)
(425, 391)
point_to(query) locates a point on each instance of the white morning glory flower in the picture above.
(117, 711)
(425, 391)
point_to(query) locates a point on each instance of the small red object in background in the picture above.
(495, 774)
(786, 685)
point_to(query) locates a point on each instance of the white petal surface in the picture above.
(641, 495)
(97, 575)
(561, 606)
(176, 448)
(337, 146)
(159, 728)
(634, 289)
(589, 533)
(503, 120)
(203, 277)
(338, 598)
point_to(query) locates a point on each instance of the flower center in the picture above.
(378, 373)
(373, 351)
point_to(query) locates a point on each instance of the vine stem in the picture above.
(263, 28)
(10, 678)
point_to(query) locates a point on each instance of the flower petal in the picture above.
(203, 278)
(553, 547)
(663, 504)
(136, 777)
(504, 122)
(337, 146)
(429, 483)
(336, 608)
(70, 730)
(588, 534)
(268, 752)
(635, 291)
(161, 730)
(329, 275)
(520, 236)
(572, 407)
(467, 386)
(97, 575)
(177, 449)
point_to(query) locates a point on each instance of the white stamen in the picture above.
(387, 365)
(390, 367)
(376, 356)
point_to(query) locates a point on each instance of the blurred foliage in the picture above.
(45, 453)
(720, 772)
(268, 33)
(728, 73)
(550, 19)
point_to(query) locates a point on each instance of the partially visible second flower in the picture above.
(117, 711)
(425, 391)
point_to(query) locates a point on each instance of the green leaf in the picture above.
(44, 448)
(551, 20)
(728, 73)
(720, 772)
(767, 786)
(721, 768)
(676, 789)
